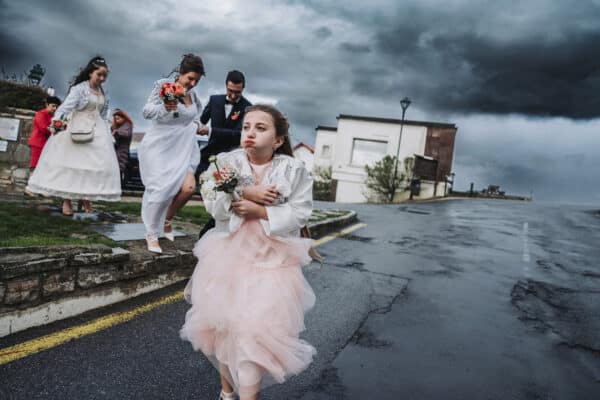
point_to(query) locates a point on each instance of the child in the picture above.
(248, 293)
(40, 134)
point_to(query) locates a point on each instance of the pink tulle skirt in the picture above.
(248, 297)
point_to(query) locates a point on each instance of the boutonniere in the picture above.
(235, 116)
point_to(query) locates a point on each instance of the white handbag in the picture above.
(81, 126)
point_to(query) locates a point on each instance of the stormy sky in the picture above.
(520, 79)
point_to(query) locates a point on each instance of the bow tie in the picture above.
(227, 101)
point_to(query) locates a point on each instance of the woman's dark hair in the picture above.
(84, 74)
(191, 63)
(281, 126)
(123, 115)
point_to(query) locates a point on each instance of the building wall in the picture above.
(440, 145)
(324, 138)
(305, 155)
(351, 135)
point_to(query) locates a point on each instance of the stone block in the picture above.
(21, 173)
(90, 276)
(87, 259)
(135, 269)
(13, 269)
(2, 290)
(21, 154)
(22, 290)
(58, 282)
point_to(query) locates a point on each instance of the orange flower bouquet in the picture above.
(58, 125)
(172, 92)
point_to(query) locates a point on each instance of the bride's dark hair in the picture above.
(84, 73)
(189, 63)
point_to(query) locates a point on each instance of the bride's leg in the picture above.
(185, 193)
(152, 215)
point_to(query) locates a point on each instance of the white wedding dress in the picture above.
(168, 152)
(88, 171)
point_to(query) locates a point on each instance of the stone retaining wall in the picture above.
(31, 279)
(14, 162)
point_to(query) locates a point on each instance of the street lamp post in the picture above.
(404, 103)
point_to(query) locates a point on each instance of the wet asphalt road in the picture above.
(448, 300)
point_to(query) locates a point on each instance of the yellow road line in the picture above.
(336, 235)
(46, 342)
(33, 346)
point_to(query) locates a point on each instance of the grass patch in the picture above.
(23, 226)
(129, 208)
(194, 214)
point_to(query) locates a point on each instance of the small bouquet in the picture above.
(224, 179)
(58, 125)
(172, 92)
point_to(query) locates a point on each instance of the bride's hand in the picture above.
(261, 194)
(171, 105)
(248, 209)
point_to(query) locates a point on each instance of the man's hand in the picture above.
(203, 131)
(248, 209)
(261, 194)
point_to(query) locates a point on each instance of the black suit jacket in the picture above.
(225, 132)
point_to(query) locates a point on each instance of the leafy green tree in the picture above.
(322, 183)
(382, 182)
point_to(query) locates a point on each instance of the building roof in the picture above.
(327, 128)
(307, 146)
(397, 121)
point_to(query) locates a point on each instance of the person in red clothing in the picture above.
(40, 132)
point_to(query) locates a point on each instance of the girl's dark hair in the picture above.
(84, 74)
(191, 63)
(281, 126)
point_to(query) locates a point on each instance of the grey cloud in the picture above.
(355, 48)
(323, 32)
(455, 62)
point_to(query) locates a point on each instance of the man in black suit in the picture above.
(226, 113)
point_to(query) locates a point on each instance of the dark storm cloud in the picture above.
(355, 48)
(532, 76)
(534, 58)
(323, 32)
(488, 67)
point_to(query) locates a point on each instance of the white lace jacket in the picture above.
(287, 215)
(154, 109)
(78, 99)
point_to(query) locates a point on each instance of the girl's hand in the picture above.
(248, 209)
(171, 105)
(261, 194)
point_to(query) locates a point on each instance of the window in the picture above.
(367, 152)
(325, 150)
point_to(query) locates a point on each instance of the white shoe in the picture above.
(169, 235)
(152, 244)
(226, 396)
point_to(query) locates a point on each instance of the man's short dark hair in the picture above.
(53, 100)
(236, 77)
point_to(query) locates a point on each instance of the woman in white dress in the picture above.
(169, 152)
(75, 170)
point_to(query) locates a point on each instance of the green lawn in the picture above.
(194, 214)
(23, 226)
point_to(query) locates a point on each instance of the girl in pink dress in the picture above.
(248, 293)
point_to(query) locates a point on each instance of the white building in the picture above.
(358, 141)
(305, 153)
